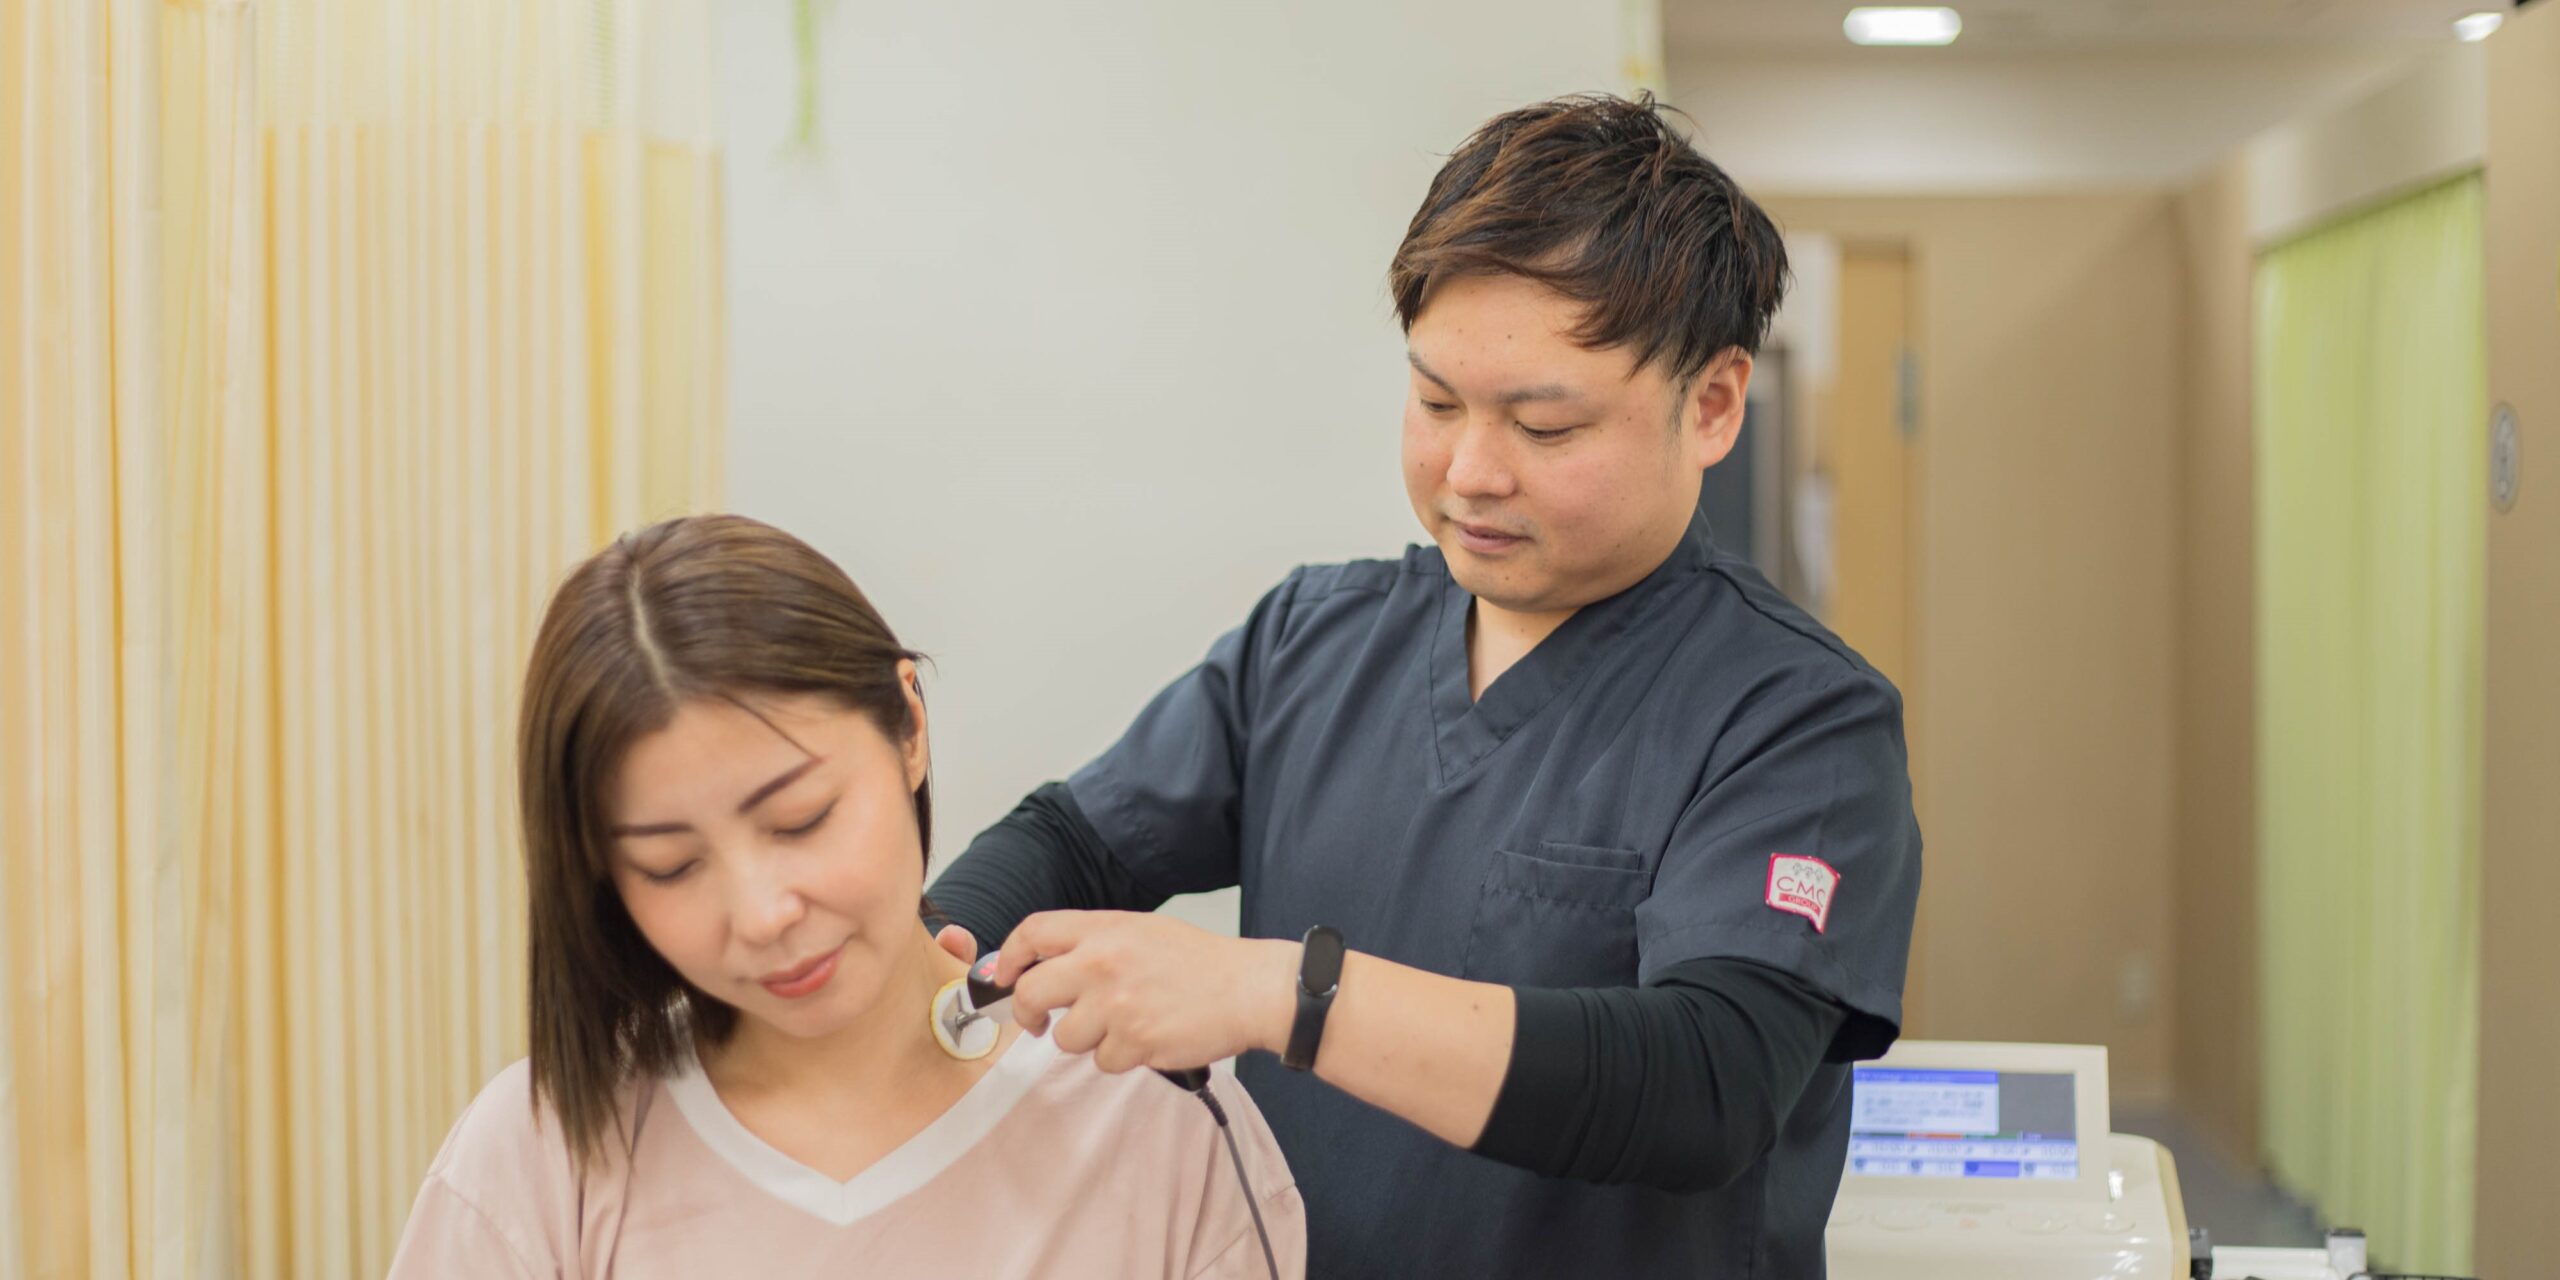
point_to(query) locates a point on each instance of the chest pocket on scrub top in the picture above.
(1564, 916)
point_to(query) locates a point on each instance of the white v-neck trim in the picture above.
(909, 1165)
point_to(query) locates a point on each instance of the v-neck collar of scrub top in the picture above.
(1466, 728)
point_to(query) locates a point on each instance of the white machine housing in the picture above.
(2118, 1215)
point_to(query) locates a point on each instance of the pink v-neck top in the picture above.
(1045, 1167)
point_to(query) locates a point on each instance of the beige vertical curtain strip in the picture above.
(93, 1069)
(331, 331)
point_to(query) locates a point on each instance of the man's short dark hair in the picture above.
(1602, 200)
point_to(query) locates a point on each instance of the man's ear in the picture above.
(1711, 409)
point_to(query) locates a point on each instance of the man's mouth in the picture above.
(1485, 538)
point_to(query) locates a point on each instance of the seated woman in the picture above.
(734, 1068)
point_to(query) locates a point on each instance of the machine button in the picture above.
(2039, 1222)
(2109, 1223)
(1902, 1219)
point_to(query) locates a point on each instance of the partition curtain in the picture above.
(2371, 387)
(331, 333)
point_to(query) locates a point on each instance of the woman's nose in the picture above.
(768, 905)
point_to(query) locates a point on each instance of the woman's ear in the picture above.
(917, 750)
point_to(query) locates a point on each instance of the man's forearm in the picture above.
(1680, 1086)
(1043, 856)
(1429, 1048)
(1679, 1089)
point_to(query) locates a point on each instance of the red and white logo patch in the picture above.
(1802, 886)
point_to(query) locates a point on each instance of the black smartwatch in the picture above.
(1319, 976)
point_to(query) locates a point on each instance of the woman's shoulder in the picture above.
(503, 1195)
(1143, 1125)
(507, 1146)
(1140, 1127)
(502, 1139)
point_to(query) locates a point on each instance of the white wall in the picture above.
(1071, 338)
(1950, 122)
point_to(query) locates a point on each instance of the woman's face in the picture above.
(780, 878)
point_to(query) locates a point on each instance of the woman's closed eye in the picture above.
(670, 875)
(810, 827)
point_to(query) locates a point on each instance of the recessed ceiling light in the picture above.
(2478, 25)
(1903, 26)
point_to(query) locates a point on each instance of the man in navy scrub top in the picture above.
(1577, 863)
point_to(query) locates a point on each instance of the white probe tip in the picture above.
(967, 1041)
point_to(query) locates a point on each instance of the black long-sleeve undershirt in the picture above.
(1043, 856)
(1681, 1085)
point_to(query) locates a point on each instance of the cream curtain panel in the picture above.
(331, 331)
(2372, 484)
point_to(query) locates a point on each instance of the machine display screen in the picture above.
(1908, 1123)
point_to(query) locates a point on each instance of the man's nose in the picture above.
(1479, 462)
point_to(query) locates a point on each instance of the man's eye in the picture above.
(1546, 436)
(811, 825)
(1435, 407)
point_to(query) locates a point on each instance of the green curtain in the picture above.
(2370, 402)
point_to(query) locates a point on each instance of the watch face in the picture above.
(1320, 969)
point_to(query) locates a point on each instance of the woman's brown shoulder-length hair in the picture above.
(715, 606)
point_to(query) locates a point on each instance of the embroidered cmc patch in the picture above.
(1802, 886)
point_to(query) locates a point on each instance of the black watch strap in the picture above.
(1319, 976)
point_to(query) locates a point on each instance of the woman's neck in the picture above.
(885, 1053)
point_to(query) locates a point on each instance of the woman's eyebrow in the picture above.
(765, 792)
(754, 798)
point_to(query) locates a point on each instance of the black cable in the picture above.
(1252, 1203)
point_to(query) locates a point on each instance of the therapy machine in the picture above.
(1995, 1162)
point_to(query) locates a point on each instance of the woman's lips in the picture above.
(791, 984)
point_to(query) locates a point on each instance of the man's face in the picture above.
(1551, 475)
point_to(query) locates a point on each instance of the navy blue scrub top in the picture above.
(1644, 788)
